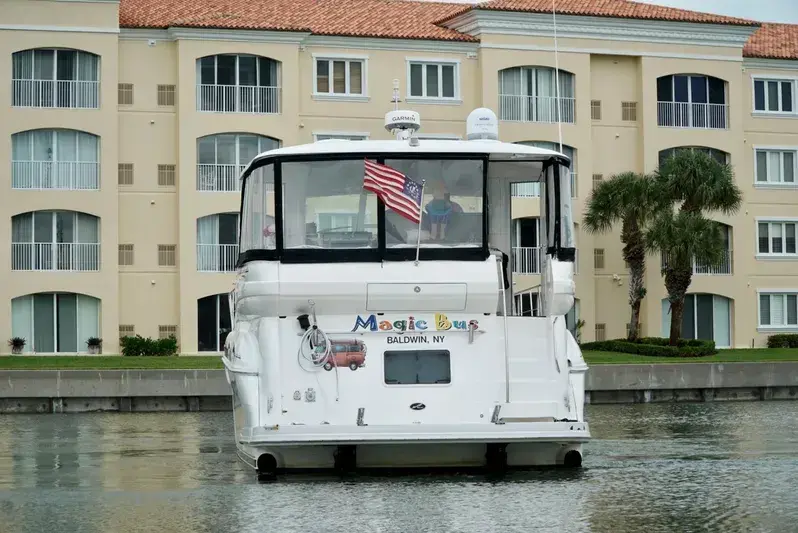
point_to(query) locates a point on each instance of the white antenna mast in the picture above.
(558, 105)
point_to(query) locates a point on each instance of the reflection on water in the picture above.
(667, 467)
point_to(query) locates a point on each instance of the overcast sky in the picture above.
(762, 10)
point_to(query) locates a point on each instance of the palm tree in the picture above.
(630, 199)
(683, 237)
(701, 185)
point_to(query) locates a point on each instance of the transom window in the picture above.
(776, 238)
(718, 155)
(778, 310)
(433, 80)
(55, 159)
(774, 96)
(238, 83)
(776, 166)
(340, 77)
(56, 77)
(529, 94)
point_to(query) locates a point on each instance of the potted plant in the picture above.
(16, 344)
(95, 345)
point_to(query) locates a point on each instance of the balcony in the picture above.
(693, 115)
(219, 178)
(217, 257)
(526, 260)
(63, 94)
(532, 189)
(69, 257)
(542, 109)
(725, 268)
(64, 175)
(238, 99)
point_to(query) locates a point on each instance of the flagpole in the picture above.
(420, 217)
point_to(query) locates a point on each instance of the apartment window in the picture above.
(778, 309)
(167, 255)
(774, 95)
(692, 101)
(338, 76)
(55, 240)
(217, 242)
(598, 258)
(530, 94)
(597, 179)
(166, 95)
(125, 91)
(222, 158)
(433, 80)
(776, 166)
(601, 332)
(55, 159)
(125, 173)
(718, 155)
(776, 238)
(595, 109)
(164, 332)
(126, 330)
(60, 77)
(238, 83)
(166, 175)
(629, 111)
(125, 254)
(341, 136)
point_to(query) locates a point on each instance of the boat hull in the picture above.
(304, 449)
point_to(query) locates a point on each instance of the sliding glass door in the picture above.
(55, 322)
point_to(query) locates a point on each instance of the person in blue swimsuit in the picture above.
(439, 210)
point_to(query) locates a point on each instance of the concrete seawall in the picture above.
(77, 391)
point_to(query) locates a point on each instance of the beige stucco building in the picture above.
(125, 127)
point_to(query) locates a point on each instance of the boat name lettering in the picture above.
(440, 323)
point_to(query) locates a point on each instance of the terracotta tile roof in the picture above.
(612, 8)
(773, 41)
(399, 19)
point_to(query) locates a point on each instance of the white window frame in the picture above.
(776, 327)
(775, 220)
(439, 62)
(764, 112)
(776, 184)
(342, 135)
(348, 59)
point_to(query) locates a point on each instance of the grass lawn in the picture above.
(723, 356)
(108, 362)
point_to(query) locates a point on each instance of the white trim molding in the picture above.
(775, 184)
(770, 64)
(193, 34)
(774, 328)
(764, 113)
(477, 22)
(68, 29)
(434, 100)
(611, 51)
(341, 97)
(371, 43)
(770, 256)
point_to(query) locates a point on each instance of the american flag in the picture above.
(396, 190)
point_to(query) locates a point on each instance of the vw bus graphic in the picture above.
(347, 352)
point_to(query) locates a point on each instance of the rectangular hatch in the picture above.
(416, 296)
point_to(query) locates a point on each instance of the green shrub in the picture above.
(655, 347)
(783, 340)
(139, 346)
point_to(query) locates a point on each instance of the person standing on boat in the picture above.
(439, 209)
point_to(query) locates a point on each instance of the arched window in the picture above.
(726, 265)
(718, 155)
(706, 316)
(55, 322)
(55, 159)
(217, 242)
(55, 77)
(55, 240)
(529, 94)
(692, 101)
(213, 322)
(222, 157)
(238, 83)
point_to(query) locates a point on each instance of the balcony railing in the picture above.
(64, 94)
(217, 257)
(515, 108)
(64, 256)
(532, 188)
(67, 175)
(693, 115)
(526, 260)
(238, 99)
(726, 267)
(222, 178)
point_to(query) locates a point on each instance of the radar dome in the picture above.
(482, 124)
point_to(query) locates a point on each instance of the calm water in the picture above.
(671, 468)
